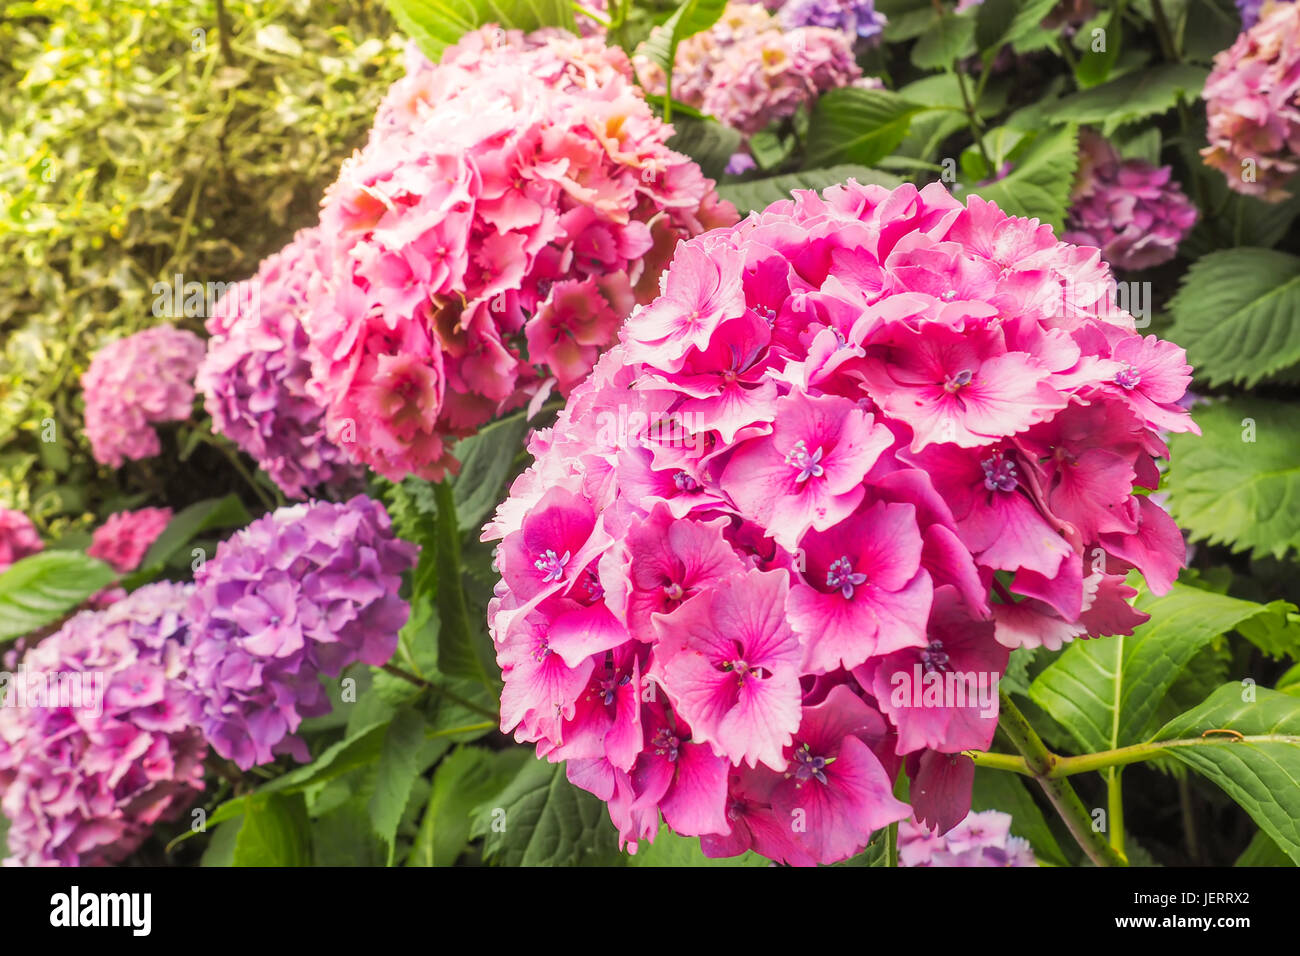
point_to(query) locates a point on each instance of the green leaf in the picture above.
(999, 790)
(1238, 483)
(220, 850)
(486, 459)
(851, 125)
(395, 775)
(467, 777)
(672, 849)
(692, 17)
(435, 25)
(758, 194)
(1262, 851)
(41, 588)
(1131, 97)
(706, 141)
(227, 512)
(540, 819)
(1238, 315)
(345, 836)
(1106, 690)
(1039, 185)
(998, 22)
(1261, 771)
(459, 636)
(275, 832)
(947, 39)
(1094, 67)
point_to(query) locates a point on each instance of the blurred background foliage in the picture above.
(144, 140)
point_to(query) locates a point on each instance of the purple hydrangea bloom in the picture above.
(303, 591)
(857, 18)
(135, 383)
(981, 839)
(740, 163)
(96, 745)
(1130, 210)
(254, 378)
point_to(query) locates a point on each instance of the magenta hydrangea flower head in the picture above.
(751, 67)
(1253, 105)
(1130, 210)
(254, 377)
(513, 204)
(135, 383)
(781, 542)
(981, 839)
(18, 537)
(303, 591)
(96, 745)
(122, 540)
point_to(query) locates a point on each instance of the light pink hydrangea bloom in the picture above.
(749, 69)
(1253, 104)
(135, 383)
(982, 839)
(781, 542)
(512, 205)
(1130, 210)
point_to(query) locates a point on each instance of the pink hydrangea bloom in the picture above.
(96, 745)
(303, 591)
(512, 205)
(749, 68)
(981, 839)
(18, 537)
(1130, 210)
(1253, 104)
(135, 383)
(123, 539)
(255, 375)
(751, 572)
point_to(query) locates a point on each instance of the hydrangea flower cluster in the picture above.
(750, 68)
(982, 839)
(135, 383)
(1130, 210)
(856, 18)
(255, 374)
(303, 591)
(1253, 105)
(95, 741)
(18, 537)
(122, 540)
(748, 576)
(519, 197)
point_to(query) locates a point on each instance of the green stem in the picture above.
(973, 119)
(593, 14)
(439, 691)
(1115, 807)
(233, 457)
(1008, 762)
(1163, 33)
(891, 845)
(1041, 762)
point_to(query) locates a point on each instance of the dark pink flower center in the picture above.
(808, 766)
(1128, 377)
(673, 591)
(610, 685)
(960, 380)
(842, 576)
(551, 565)
(935, 658)
(685, 482)
(666, 744)
(999, 474)
(809, 465)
